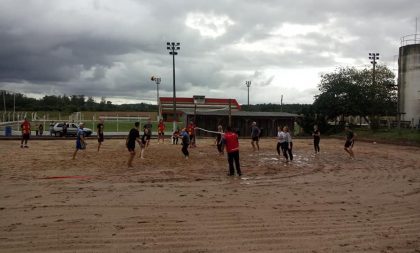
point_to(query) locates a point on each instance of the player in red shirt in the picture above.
(161, 131)
(26, 132)
(191, 132)
(232, 148)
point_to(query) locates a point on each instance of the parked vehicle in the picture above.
(57, 130)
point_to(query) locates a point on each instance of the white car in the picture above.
(57, 130)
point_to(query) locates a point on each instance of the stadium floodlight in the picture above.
(173, 47)
(373, 57)
(248, 84)
(157, 81)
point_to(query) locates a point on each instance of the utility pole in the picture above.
(248, 84)
(373, 57)
(230, 112)
(14, 105)
(281, 104)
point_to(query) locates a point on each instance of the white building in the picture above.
(409, 79)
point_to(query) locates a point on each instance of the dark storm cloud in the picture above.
(105, 48)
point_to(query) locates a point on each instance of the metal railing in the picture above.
(411, 39)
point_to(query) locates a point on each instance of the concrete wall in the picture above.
(409, 83)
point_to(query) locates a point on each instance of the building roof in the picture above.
(182, 104)
(242, 113)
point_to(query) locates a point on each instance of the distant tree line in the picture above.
(77, 103)
(67, 104)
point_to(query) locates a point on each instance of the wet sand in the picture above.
(317, 203)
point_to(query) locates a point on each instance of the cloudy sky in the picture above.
(108, 48)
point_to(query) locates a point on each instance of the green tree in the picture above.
(90, 104)
(311, 118)
(351, 92)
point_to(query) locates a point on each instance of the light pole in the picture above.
(248, 84)
(373, 57)
(157, 81)
(173, 47)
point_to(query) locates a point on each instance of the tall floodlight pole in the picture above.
(173, 47)
(248, 84)
(373, 57)
(14, 105)
(157, 81)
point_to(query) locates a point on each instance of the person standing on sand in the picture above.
(143, 143)
(25, 127)
(130, 142)
(231, 142)
(255, 136)
(80, 140)
(281, 139)
(148, 126)
(161, 131)
(191, 131)
(317, 138)
(41, 129)
(219, 143)
(185, 137)
(100, 133)
(64, 129)
(348, 146)
(289, 146)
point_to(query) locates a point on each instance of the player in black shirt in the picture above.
(148, 126)
(133, 136)
(348, 146)
(317, 138)
(100, 133)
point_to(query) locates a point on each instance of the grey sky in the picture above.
(112, 48)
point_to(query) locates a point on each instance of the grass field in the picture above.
(402, 136)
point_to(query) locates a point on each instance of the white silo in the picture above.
(409, 79)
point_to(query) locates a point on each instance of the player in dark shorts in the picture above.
(219, 142)
(161, 131)
(185, 143)
(348, 146)
(80, 140)
(232, 148)
(133, 136)
(143, 142)
(26, 132)
(148, 125)
(191, 131)
(317, 138)
(100, 133)
(255, 136)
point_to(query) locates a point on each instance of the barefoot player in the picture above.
(26, 132)
(80, 140)
(161, 131)
(100, 133)
(348, 146)
(133, 136)
(255, 136)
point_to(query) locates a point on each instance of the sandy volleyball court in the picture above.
(323, 203)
